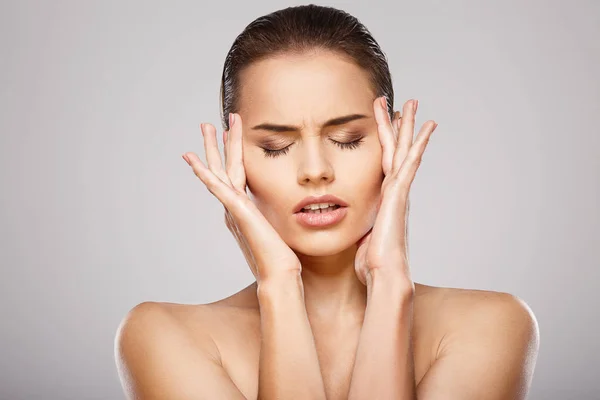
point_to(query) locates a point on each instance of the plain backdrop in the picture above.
(98, 211)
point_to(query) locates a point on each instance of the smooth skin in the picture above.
(333, 313)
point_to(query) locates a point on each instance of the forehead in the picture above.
(308, 88)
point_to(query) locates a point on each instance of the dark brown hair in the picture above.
(300, 29)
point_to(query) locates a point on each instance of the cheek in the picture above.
(254, 167)
(261, 186)
(365, 165)
(365, 177)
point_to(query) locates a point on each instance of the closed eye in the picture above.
(349, 145)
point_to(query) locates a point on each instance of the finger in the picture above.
(226, 142)
(235, 161)
(213, 156)
(227, 214)
(396, 125)
(228, 218)
(386, 133)
(409, 167)
(222, 191)
(225, 145)
(405, 135)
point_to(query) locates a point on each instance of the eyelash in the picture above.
(349, 145)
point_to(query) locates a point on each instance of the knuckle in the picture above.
(375, 260)
(399, 182)
(198, 174)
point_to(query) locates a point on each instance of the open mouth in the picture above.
(320, 210)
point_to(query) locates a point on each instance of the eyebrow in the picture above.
(290, 128)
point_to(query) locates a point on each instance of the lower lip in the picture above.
(322, 219)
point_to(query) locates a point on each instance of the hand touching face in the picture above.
(385, 247)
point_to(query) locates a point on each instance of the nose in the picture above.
(314, 165)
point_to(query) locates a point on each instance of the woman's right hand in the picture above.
(265, 251)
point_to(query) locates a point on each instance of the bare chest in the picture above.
(239, 344)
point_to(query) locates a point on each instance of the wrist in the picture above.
(284, 283)
(393, 282)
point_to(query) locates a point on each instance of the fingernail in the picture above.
(187, 160)
(384, 102)
(231, 120)
(416, 105)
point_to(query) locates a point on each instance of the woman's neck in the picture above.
(332, 291)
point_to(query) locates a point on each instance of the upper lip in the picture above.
(328, 198)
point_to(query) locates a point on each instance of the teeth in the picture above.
(318, 206)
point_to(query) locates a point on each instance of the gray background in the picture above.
(99, 212)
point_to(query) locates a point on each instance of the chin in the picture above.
(321, 243)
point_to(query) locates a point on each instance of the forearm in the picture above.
(288, 365)
(384, 367)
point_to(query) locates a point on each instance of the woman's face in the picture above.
(303, 92)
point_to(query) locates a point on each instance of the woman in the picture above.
(315, 188)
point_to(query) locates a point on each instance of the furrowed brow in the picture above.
(290, 128)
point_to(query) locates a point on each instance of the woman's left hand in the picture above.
(384, 247)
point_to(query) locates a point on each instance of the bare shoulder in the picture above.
(194, 323)
(484, 339)
(150, 340)
(463, 310)
(472, 306)
(165, 323)
(161, 349)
